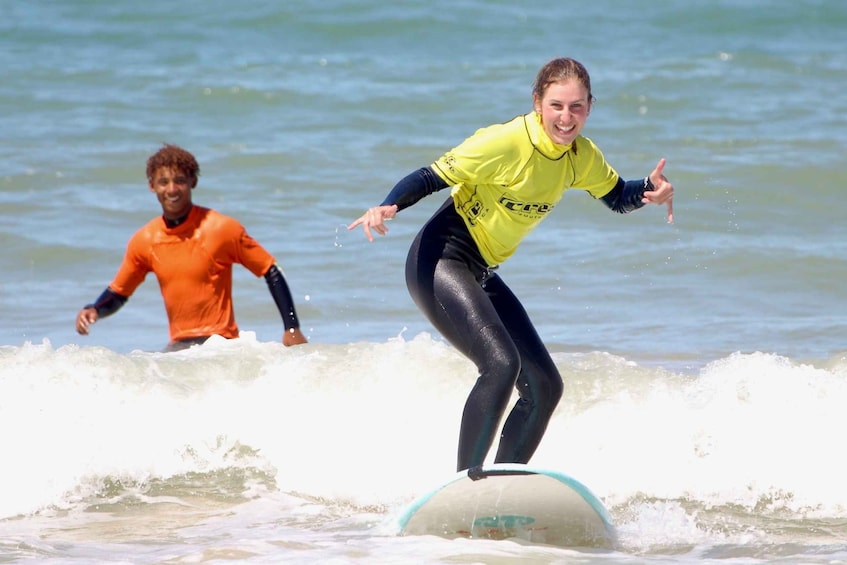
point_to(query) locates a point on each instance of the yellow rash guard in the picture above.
(507, 177)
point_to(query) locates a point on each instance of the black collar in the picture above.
(174, 223)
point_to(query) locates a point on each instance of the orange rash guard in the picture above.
(193, 264)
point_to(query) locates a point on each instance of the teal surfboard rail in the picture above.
(511, 469)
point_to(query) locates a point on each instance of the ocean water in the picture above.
(705, 361)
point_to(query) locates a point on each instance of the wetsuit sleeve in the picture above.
(282, 296)
(626, 195)
(413, 187)
(107, 303)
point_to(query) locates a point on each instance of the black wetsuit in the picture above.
(471, 306)
(474, 309)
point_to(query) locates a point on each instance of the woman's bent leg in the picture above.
(539, 383)
(448, 291)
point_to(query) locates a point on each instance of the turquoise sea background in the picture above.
(705, 361)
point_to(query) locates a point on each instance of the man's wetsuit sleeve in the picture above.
(626, 195)
(413, 187)
(282, 296)
(107, 303)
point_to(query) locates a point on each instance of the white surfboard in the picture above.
(510, 500)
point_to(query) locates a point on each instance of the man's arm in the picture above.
(106, 304)
(282, 297)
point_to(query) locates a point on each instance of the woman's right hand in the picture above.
(374, 219)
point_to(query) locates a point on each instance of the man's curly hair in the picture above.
(176, 157)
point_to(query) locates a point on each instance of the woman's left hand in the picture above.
(662, 192)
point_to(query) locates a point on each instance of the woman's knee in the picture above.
(540, 388)
(557, 387)
(497, 355)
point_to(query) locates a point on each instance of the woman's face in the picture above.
(563, 109)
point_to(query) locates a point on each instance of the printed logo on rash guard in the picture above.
(473, 210)
(527, 209)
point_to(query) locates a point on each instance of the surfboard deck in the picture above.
(510, 500)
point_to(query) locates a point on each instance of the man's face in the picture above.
(173, 189)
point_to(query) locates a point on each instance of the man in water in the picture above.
(191, 249)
